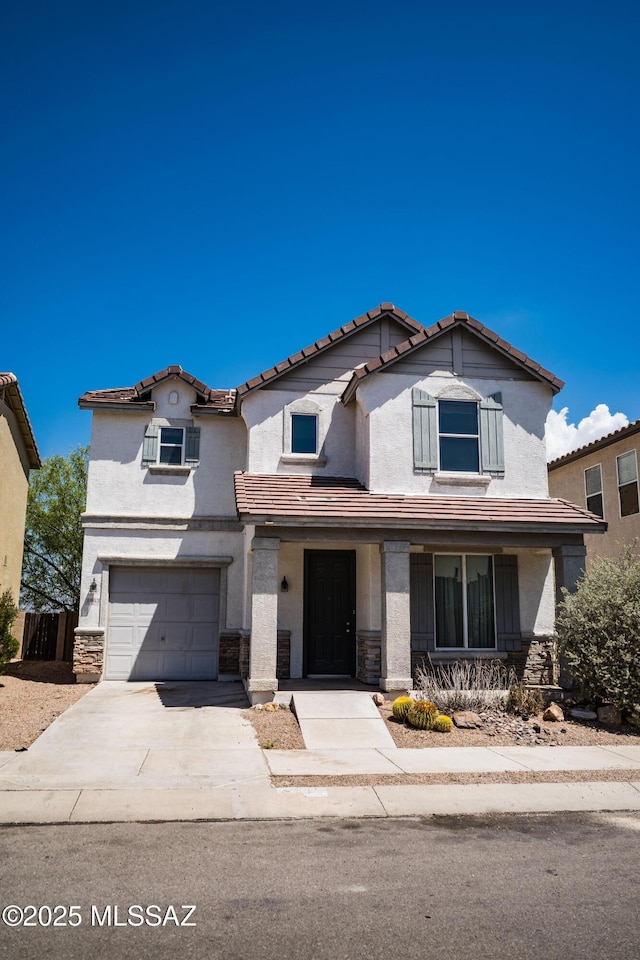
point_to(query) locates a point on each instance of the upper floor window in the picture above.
(628, 483)
(459, 437)
(171, 446)
(304, 433)
(593, 490)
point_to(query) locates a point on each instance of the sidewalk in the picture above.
(171, 751)
(149, 799)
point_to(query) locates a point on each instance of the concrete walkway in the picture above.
(340, 718)
(171, 751)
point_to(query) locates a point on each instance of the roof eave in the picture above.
(513, 526)
(118, 406)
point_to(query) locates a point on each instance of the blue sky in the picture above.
(219, 185)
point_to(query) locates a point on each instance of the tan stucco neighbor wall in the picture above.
(14, 484)
(567, 481)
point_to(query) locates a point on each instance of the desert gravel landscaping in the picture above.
(32, 694)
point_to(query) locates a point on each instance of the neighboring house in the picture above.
(603, 476)
(379, 496)
(18, 455)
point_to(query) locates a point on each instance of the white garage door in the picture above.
(163, 623)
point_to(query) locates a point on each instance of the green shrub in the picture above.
(422, 714)
(442, 723)
(401, 706)
(523, 700)
(8, 643)
(598, 630)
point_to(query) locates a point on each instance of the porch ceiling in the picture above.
(343, 501)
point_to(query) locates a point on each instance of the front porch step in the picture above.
(340, 720)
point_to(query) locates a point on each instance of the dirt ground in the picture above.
(32, 694)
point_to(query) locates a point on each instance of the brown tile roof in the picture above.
(429, 333)
(344, 501)
(385, 309)
(13, 396)
(621, 434)
(209, 400)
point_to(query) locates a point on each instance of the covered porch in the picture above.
(346, 585)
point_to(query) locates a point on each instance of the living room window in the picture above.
(593, 490)
(464, 602)
(458, 436)
(627, 465)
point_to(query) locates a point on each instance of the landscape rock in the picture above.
(378, 699)
(467, 719)
(271, 707)
(609, 715)
(578, 713)
(553, 713)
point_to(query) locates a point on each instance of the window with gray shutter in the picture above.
(425, 431)
(150, 444)
(192, 445)
(491, 435)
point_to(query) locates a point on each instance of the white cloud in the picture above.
(562, 437)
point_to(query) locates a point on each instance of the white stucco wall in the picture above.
(119, 485)
(537, 592)
(264, 414)
(386, 399)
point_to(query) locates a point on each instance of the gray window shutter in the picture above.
(491, 439)
(507, 602)
(421, 597)
(150, 444)
(192, 448)
(425, 431)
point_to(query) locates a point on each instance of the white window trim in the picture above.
(466, 648)
(306, 408)
(625, 454)
(600, 491)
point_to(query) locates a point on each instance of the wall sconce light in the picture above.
(284, 586)
(93, 586)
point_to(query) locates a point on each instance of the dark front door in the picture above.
(329, 612)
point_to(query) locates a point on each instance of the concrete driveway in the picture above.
(148, 735)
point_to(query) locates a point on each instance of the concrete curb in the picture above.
(260, 802)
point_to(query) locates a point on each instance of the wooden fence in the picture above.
(48, 636)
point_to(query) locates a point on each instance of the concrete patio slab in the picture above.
(329, 763)
(450, 760)
(346, 735)
(565, 758)
(335, 705)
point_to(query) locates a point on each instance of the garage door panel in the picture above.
(163, 623)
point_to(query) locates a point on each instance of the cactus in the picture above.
(401, 706)
(422, 714)
(442, 723)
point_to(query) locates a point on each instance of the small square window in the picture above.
(304, 433)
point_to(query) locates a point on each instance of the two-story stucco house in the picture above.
(18, 456)
(380, 495)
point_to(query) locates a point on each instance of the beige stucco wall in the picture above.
(14, 484)
(567, 481)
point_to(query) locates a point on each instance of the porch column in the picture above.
(263, 649)
(396, 608)
(570, 564)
